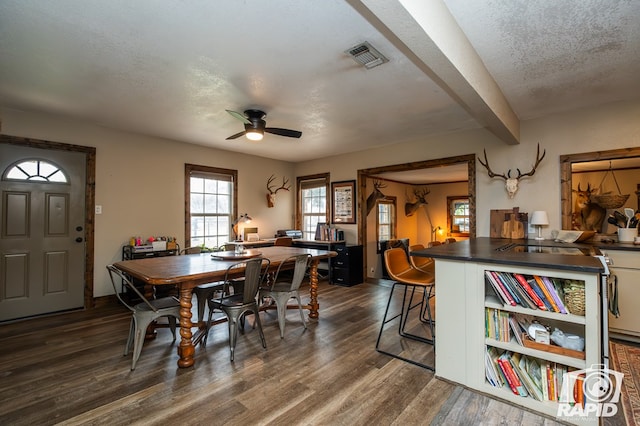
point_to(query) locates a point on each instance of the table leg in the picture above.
(186, 350)
(313, 289)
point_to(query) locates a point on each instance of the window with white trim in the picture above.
(211, 200)
(386, 219)
(458, 219)
(312, 206)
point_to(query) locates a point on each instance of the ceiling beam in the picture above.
(426, 32)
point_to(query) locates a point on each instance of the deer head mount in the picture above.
(418, 195)
(375, 195)
(511, 184)
(587, 215)
(271, 196)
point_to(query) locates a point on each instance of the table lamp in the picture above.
(243, 218)
(539, 218)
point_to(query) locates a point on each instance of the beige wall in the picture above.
(607, 127)
(140, 183)
(139, 180)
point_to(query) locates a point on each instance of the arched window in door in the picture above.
(35, 170)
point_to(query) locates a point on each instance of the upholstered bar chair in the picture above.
(235, 306)
(286, 287)
(405, 275)
(143, 313)
(421, 263)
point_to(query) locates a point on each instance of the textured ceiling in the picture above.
(171, 68)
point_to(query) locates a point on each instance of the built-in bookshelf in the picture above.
(485, 316)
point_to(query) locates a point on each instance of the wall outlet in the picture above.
(373, 271)
(98, 209)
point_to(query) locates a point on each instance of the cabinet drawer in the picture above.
(624, 259)
(343, 276)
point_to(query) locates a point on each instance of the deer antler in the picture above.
(421, 192)
(377, 184)
(491, 173)
(284, 185)
(533, 170)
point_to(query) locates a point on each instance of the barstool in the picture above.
(401, 271)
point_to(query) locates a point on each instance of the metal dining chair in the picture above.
(235, 306)
(143, 313)
(284, 288)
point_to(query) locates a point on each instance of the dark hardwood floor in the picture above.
(70, 369)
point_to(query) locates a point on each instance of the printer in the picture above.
(293, 233)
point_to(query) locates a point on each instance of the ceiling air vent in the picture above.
(366, 55)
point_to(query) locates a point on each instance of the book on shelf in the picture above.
(546, 292)
(497, 325)
(536, 287)
(519, 365)
(532, 294)
(494, 377)
(498, 289)
(533, 369)
(325, 232)
(506, 285)
(525, 299)
(514, 381)
(554, 294)
(516, 329)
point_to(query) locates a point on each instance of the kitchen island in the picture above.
(463, 298)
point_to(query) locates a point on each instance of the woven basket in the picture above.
(574, 297)
(610, 201)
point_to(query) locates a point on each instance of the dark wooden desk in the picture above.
(187, 272)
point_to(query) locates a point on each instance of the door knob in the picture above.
(79, 240)
(78, 228)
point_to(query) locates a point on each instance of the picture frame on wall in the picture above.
(343, 202)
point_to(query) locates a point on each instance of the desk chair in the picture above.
(401, 271)
(236, 306)
(143, 313)
(283, 289)
(283, 241)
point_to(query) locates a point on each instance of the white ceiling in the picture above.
(171, 68)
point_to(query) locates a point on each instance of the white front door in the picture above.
(42, 236)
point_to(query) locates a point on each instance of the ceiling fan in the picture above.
(255, 126)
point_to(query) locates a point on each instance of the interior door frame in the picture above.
(566, 185)
(470, 159)
(89, 214)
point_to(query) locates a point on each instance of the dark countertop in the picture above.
(486, 250)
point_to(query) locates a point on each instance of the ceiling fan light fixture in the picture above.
(254, 134)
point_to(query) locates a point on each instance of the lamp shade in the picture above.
(539, 217)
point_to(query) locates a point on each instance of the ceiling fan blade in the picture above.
(283, 132)
(237, 135)
(239, 116)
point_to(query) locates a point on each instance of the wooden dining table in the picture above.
(187, 272)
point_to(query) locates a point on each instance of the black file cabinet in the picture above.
(346, 267)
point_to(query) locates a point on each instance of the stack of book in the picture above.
(532, 292)
(528, 376)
